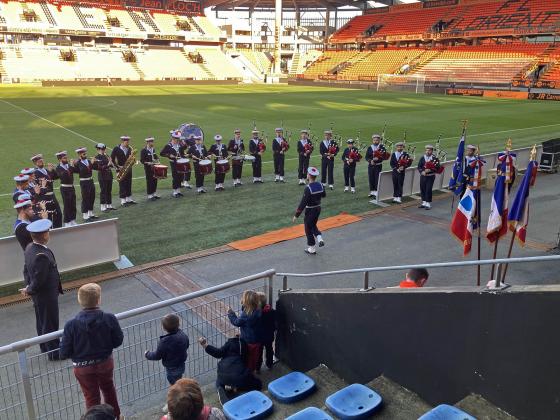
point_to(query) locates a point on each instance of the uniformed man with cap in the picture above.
(219, 151)
(65, 172)
(198, 152)
(304, 149)
(279, 154)
(350, 158)
(22, 185)
(84, 168)
(256, 149)
(328, 150)
(104, 177)
(36, 190)
(119, 156)
(375, 155)
(468, 171)
(400, 160)
(25, 216)
(311, 203)
(148, 158)
(42, 282)
(175, 150)
(237, 149)
(49, 175)
(427, 177)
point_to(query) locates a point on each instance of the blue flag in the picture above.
(456, 182)
(518, 216)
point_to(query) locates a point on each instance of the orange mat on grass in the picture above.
(291, 232)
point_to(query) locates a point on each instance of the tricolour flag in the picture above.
(497, 220)
(464, 220)
(456, 181)
(519, 215)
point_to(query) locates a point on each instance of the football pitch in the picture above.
(46, 120)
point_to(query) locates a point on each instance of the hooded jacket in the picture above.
(91, 335)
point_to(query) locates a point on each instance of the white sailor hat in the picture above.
(125, 138)
(255, 131)
(27, 171)
(100, 146)
(218, 137)
(279, 129)
(36, 157)
(39, 226)
(327, 132)
(470, 146)
(429, 146)
(376, 136)
(176, 134)
(236, 131)
(350, 141)
(304, 131)
(313, 171)
(21, 178)
(400, 143)
(23, 200)
(196, 137)
(81, 150)
(61, 154)
(149, 139)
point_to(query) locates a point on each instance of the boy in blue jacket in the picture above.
(171, 349)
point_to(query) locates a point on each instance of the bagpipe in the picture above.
(334, 145)
(355, 154)
(407, 157)
(308, 148)
(381, 153)
(285, 143)
(263, 140)
(434, 165)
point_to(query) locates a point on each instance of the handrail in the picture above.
(24, 344)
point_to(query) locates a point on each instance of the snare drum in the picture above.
(222, 166)
(160, 171)
(249, 158)
(183, 165)
(237, 160)
(205, 167)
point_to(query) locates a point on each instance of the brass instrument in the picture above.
(127, 167)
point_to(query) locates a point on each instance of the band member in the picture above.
(47, 195)
(175, 150)
(256, 149)
(219, 151)
(149, 158)
(304, 149)
(22, 187)
(185, 145)
(400, 160)
(65, 172)
(237, 149)
(311, 203)
(506, 165)
(279, 148)
(119, 156)
(105, 177)
(350, 157)
(43, 284)
(198, 153)
(84, 167)
(328, 150)
(375, 155)
(428, 166)
(468, 170)
(25, 216)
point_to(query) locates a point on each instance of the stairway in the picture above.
(195, 25)
(356, 58)
(420, 65)
(207, 71)
(138, 70)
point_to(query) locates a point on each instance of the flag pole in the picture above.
(508, 256)
(494, 255)
(478, 211)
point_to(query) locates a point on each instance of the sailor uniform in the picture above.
(148, 157)
(105, 178)
(43, 285)
(349, 168)
(47, 195)
(303, 159)
(84, 168)
(327, 163)
(119, 155)
(173, 152)
(311, 203)
(220, 152)
(21, 233)
(236, 148)
(65, 173)
(257, 163)
(199, 152)
(398, 176)
(278, 157)
(427, 180)
(375, 166)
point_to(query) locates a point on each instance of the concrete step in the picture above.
(482, 409)
(399, 403)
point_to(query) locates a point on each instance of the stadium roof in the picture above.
(301, 4)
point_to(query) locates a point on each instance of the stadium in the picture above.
(270, 179)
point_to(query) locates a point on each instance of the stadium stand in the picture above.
(261, 60)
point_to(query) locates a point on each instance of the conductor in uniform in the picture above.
(43, 284)
(311, 203)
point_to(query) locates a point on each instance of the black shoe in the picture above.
(276, 180)
(132, 202)
(421, 206)
(112, 208)
(427, 208)
(157, 197)
(93, 217)
(321, 243)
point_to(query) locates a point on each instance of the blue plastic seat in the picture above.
(446, 412)
(310, 413)
(252, 405)
(292, 387)
(356, 401)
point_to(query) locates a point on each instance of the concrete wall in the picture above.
(442, 344)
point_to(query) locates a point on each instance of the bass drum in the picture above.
(189, 131)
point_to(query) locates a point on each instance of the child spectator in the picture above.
(89, 339)
(416, 277)
(171, 349)
(232, 371)
(99, 412)
(248, 321)
(267, 327)
(185, 402)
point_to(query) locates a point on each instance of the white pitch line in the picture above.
(49, 121)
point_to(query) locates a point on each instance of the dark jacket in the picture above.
(40, 272)
(231, 368)
(171, 349)
(91, 335)
(248, 325)
(312, 195)
(267, 325)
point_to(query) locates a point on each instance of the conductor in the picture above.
(42, 284)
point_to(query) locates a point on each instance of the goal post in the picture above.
(401, 83)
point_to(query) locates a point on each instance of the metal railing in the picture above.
(500, 263)
(35, 388)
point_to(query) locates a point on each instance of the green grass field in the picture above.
(46, 120)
